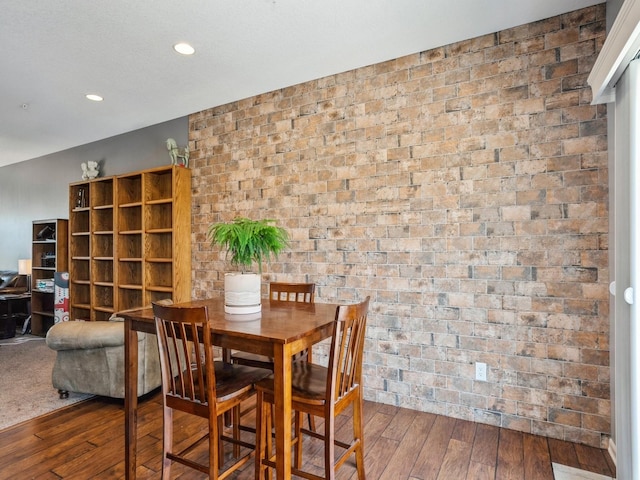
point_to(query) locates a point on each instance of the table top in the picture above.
(278, 324)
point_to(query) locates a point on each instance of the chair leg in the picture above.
(236, 430)
(167, 441)
(220, 443)
(269, 436)
(260, 433)
(329, 449)
(297, 459)
(216, 448)
(358, 433)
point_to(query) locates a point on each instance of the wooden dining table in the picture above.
(278, 332)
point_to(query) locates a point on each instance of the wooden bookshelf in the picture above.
(49, 255)
(130, 241)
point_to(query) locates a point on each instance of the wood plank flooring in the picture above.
(85, 441)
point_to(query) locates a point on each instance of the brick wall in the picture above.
(465, 189)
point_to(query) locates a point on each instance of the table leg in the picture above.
(130, 398)
(282, 390)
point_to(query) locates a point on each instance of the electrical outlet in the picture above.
(481, 371)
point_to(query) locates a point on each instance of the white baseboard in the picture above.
(612, 451)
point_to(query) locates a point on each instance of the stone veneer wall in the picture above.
(465, 189)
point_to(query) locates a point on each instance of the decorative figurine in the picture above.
(89, 170)
(174, 153)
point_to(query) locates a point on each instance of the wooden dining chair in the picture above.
(280, 294)
(324, 392)
(194, 383)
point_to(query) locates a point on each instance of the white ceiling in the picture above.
(53, 52)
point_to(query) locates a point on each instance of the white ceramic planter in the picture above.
(242, 293)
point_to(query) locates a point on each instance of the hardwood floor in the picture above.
(85, 441)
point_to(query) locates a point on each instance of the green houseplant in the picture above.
(247, 242)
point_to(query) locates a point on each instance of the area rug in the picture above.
(563, 472)
(25, 375)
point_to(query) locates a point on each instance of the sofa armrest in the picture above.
(84, 335)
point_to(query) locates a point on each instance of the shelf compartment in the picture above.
(42, 302)
(79, 245)
(129, 189)
(81, 293)
(158, 216)
(102, 245)
(79, 271)
(130, 218)
(130, 272)
(39, 273)
(159, 276)
(44, 232)
(43, 255)
(158, 185)
(158, 245)
(129, 298)
(41, 312)
(102, 220)
(130, 245)
(102, 298)
(102, 193)
(102, 271)
(79, 197)
(79, 220)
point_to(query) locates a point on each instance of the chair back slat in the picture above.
(292, 292)
(186, 356)
(347, 346)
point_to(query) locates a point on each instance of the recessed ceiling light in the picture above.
(94, 97)
(184, 49)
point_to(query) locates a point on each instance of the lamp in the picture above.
(24, 268)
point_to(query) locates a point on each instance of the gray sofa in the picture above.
(90, 358)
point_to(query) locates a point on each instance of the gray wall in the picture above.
(613, 8)
(38, 189)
